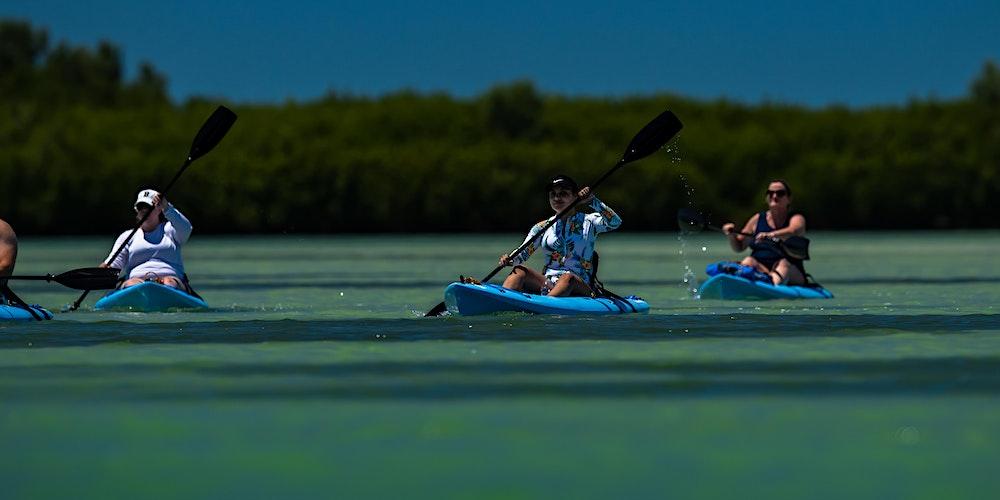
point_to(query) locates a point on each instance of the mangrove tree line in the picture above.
(77, 140)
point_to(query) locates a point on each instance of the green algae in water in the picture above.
(314, 374)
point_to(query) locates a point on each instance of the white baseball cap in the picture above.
(145, 196)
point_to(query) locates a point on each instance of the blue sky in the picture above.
(816, 53)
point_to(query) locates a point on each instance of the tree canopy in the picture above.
(78, 140)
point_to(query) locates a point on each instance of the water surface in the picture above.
(313, 373)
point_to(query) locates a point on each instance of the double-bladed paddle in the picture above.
(86, 278)
(211, 132)
(691, 220)
(650, 139)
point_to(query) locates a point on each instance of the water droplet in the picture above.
(908, 435)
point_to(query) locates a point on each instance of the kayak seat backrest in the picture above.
(190, 289)
(600, 291)
(594, 263)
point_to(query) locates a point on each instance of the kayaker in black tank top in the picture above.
(777, 222)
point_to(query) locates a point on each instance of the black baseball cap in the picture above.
(561, 180)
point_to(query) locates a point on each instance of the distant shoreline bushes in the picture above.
(77, 141)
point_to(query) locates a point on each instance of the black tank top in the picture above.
(767, 252)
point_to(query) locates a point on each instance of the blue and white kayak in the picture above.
(149, 296)
(15, 313)
(470, 300)
(730, 287)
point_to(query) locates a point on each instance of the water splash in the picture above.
(689, 278)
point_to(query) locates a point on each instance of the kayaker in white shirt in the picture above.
(154, 254)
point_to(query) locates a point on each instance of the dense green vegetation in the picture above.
(77, 141)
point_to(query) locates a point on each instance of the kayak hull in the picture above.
(730, 287)
(14, 313)
(471, 300)
(149, 296)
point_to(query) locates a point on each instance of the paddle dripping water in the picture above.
(689, 278)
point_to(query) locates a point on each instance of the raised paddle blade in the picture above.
(437, 310)
(652, 137)
(212, 132)
(89, 278)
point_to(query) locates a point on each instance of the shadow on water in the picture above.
(513, 327)
(460, 380)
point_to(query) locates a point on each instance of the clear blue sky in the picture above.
(816, 53)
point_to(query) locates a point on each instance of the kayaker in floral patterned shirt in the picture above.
(568, 244)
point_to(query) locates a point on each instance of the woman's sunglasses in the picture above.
(780, 193)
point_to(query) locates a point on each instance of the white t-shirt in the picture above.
(157, 252)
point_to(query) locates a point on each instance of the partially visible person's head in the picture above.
(144, 203)
(561, 181)
(561, 190)
(778, 193)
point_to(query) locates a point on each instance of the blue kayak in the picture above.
(149, 296)
(730, 287)
(469, 300)
(15, 313)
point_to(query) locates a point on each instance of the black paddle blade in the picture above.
(797, 247)
(437, 310)
(691, 220)
(212, 132)
(89, 278)
(652, 137)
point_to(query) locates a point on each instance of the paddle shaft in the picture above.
(782, 244)
(719, 229)
(163, 196)
(86, 278)
(563, 212)
(47, 277)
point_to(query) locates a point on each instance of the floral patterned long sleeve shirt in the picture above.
(569, 243)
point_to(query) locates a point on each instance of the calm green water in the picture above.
(314, 374)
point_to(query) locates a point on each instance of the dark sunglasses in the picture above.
(780, 193)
